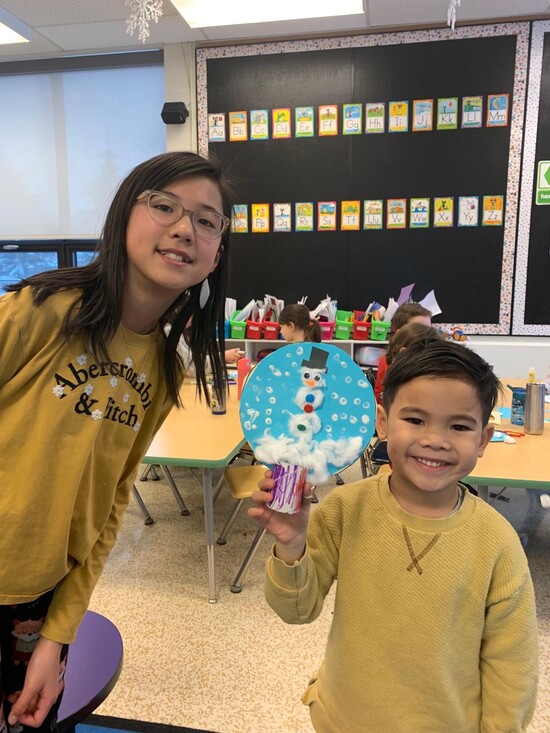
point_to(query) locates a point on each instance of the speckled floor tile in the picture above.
(233, 666)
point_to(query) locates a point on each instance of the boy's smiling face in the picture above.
(435, 435)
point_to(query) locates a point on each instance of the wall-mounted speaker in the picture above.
(174, 113)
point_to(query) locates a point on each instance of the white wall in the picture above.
(179, 86)
(511, 356)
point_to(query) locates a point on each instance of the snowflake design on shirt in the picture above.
(137, 427)
(129, 362)
(89, 388)
(97, 415)
(58, 390)
(140, 379)
(126, 397)
(82, 359)
(113, 382)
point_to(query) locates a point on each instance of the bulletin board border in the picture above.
(521, 30)
(540, 28)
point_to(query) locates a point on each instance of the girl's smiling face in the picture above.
(163, 261)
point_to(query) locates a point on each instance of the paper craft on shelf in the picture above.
(431, 304)
(405, 294)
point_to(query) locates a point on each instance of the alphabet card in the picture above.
(373, 214)
(281, 124)
(352, 119)
(259, 129)
(328, 119)
(281, 217)
(375, 117)
(260, 218)
(326, 216)
(350, 215)
(419, 217)
(443, 211)
(237, 126)
(304, 122)
(493, 210)
(468, 211)
(308, 405)
(396, 217)
(304, 216)
(472, 109)
(423, 112)
(447, 113)
(497, 110)
(399, 116)
(239, 219)
(216, 128)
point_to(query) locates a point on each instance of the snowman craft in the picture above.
(308, 406)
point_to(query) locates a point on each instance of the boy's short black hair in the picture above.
(447, 360)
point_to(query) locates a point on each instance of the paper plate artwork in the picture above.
(309, 405)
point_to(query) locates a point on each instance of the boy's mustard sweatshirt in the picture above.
(434, 627)
(73, 431)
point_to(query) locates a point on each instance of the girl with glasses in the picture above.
(87, 377)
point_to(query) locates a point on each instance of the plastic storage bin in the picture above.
(271, 330)
(254, 329)
(343, 325)
(379, 330)
(361, 328)
(327, 329)
(238, 328)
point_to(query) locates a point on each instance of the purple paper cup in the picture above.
(289, 485)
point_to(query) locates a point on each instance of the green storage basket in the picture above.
(238, 328)
(343, 325)
(379, 330)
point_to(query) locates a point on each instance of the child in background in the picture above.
(87, 377)
(408, 335)
(297, 325)
(406, 313)
(434, 627)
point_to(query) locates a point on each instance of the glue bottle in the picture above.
(243, 369)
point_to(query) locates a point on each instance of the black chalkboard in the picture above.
(463, 265)
(537, 302)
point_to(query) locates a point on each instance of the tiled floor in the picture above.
(234, 667)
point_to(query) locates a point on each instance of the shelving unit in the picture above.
(251, 347)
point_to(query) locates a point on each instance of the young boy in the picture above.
(434, 627)
(405, 314)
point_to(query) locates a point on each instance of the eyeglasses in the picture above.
(167, 210)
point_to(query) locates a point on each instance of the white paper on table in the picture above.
(431, 304)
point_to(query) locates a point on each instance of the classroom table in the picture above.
(524, 464)
(192, 436)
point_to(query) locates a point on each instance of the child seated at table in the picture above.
(406, 313)
(297, 325)
(434, 627)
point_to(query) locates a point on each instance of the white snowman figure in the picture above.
(310, 396)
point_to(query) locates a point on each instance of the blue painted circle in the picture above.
(341, 412)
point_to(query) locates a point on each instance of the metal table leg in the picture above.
(209, 528)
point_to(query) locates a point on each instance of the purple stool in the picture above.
(93, 668)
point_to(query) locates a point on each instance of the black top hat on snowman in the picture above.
(317, 359)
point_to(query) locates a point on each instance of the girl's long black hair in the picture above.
(98, 311)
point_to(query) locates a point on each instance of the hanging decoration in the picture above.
(142, 11)
(451, 12)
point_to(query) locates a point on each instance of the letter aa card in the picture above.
(423, 112)
(239, 219)
(281, 217)
(373, 214)
(493, 210)
(237, 126)
(443, 211)
(352, 119)
(419, 213)
(281, 125)
(328, 119)
(350, 215)
(497, 110)
(216, 128)
(260, 218)
(326, 216)
(259, 129)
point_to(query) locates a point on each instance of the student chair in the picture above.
(150, 470)
(373, 457)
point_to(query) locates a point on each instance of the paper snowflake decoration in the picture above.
(451, 12)
(142, 11)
